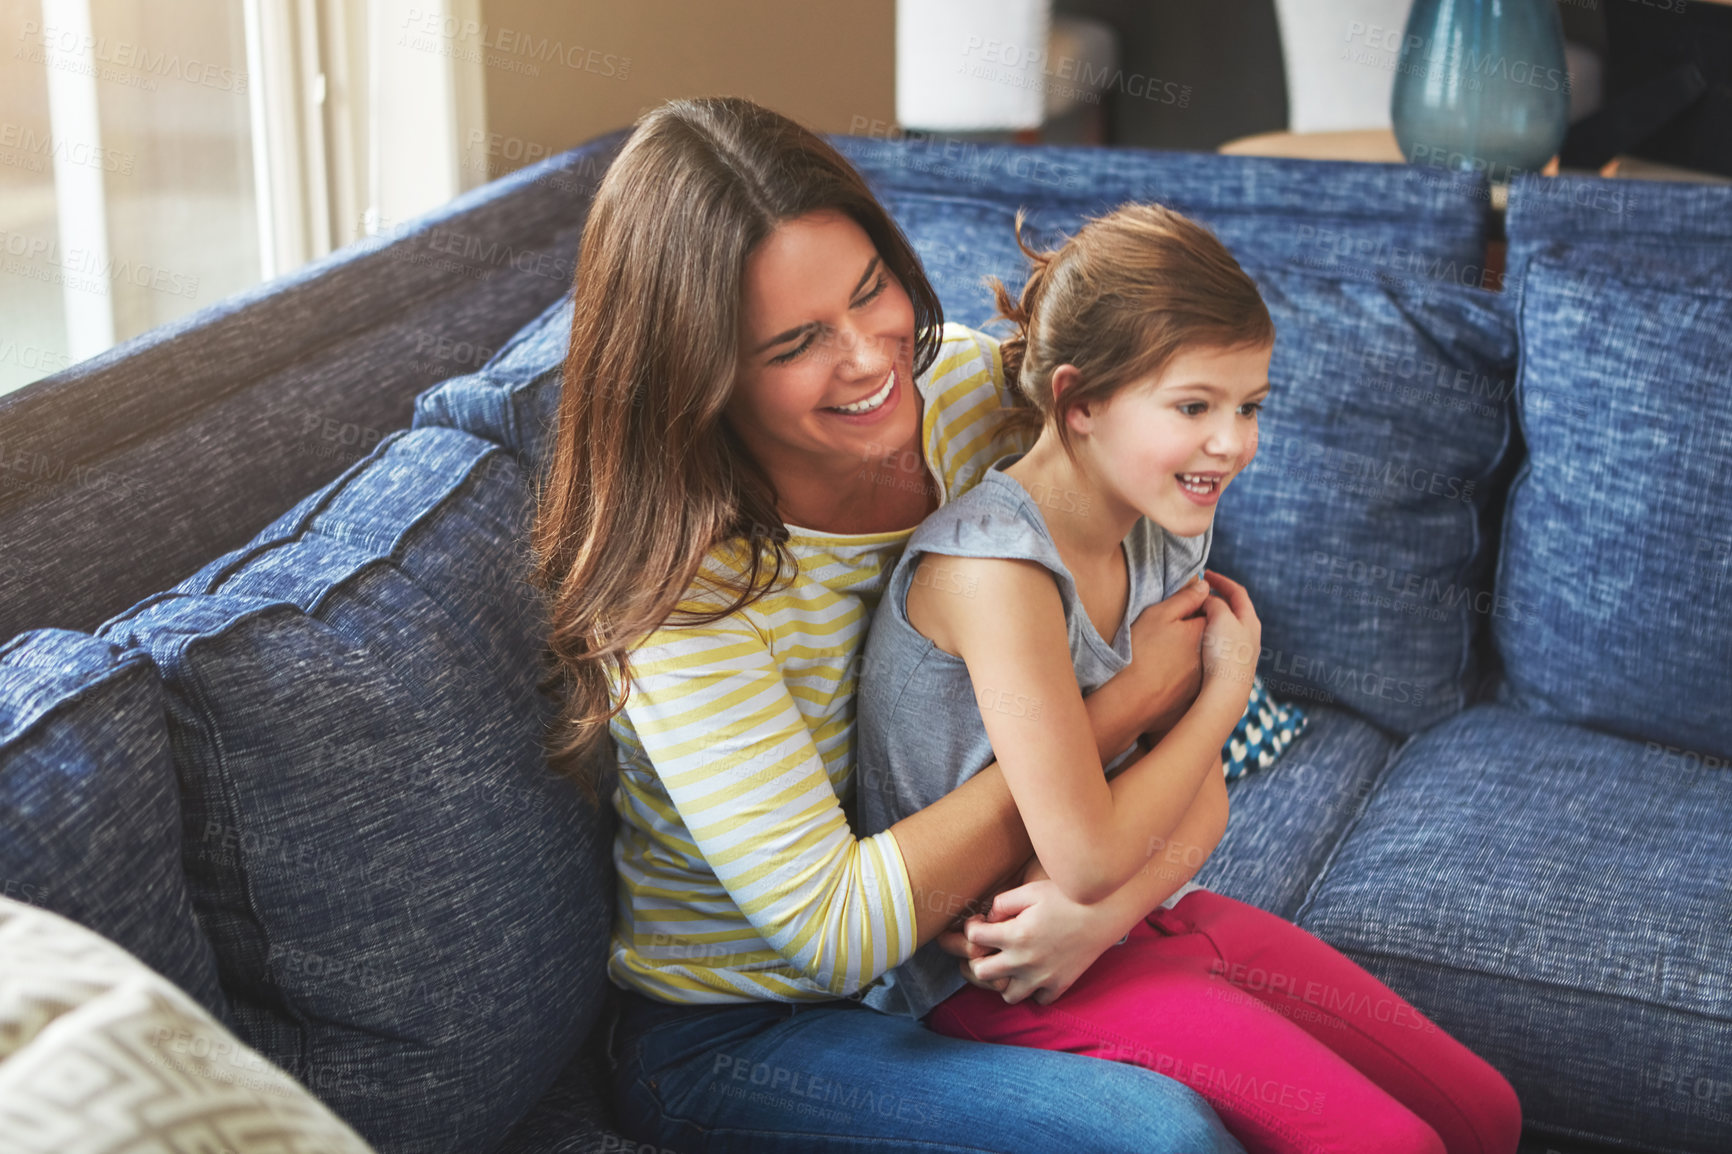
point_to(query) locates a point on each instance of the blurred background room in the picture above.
(157, 158)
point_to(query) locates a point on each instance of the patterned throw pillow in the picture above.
(1267, 728)
(98, 1052)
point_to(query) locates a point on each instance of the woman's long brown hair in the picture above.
(645, 475)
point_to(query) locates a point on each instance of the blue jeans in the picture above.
(770, 1077)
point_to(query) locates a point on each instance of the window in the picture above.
(157, 158)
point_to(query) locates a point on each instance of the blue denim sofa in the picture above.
(271, 706)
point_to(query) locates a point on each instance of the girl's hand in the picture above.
(953, 941)
(1232, 639)
(1166, 666)
(1034, 941)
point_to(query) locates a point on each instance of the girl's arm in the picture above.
(1172, 864)
(969, 843)
(1039, 943)
(1091, 835)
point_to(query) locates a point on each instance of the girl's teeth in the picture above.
(1199, 488)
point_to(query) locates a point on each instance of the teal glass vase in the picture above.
(1481, 86)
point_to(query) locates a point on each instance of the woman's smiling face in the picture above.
(824, 324)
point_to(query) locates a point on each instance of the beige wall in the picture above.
(824, 64)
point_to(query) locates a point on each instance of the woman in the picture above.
(759, 406)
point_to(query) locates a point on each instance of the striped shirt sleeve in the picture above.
(738, 761)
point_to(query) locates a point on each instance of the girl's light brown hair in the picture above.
(1118, 300)
(644, 475)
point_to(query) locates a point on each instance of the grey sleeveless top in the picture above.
(919, 734)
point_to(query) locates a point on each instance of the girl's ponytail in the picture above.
(1013, 349)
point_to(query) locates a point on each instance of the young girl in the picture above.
(1143, 351)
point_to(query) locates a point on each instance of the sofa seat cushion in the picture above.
(100, 1053)
(577, 1115)
(1619, 527)
(410, 910)
(1283, 821)
(1561, 902)
(90, 820)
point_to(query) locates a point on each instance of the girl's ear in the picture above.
(1081, 418)
(1064, 377)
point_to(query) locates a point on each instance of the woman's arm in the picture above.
(732, 751)
(1090, 834)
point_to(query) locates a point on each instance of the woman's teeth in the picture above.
(872, 402)
(1201, 486)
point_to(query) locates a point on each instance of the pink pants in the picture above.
(1296, 1047)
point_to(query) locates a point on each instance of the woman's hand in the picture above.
(1034, 940)
(1166, 669)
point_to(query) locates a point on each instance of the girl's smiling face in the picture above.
(823, 325)
(1198, 417)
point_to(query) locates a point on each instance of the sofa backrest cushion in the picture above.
(1619, 526)
(1359, 528)
(1385, 224)
(1609, 221)
(1380, 222)
(514, 398)
(409, 908)
(90, 823)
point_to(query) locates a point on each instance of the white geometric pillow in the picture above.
(100, 1054)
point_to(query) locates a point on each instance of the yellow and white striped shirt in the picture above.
(740, 877)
